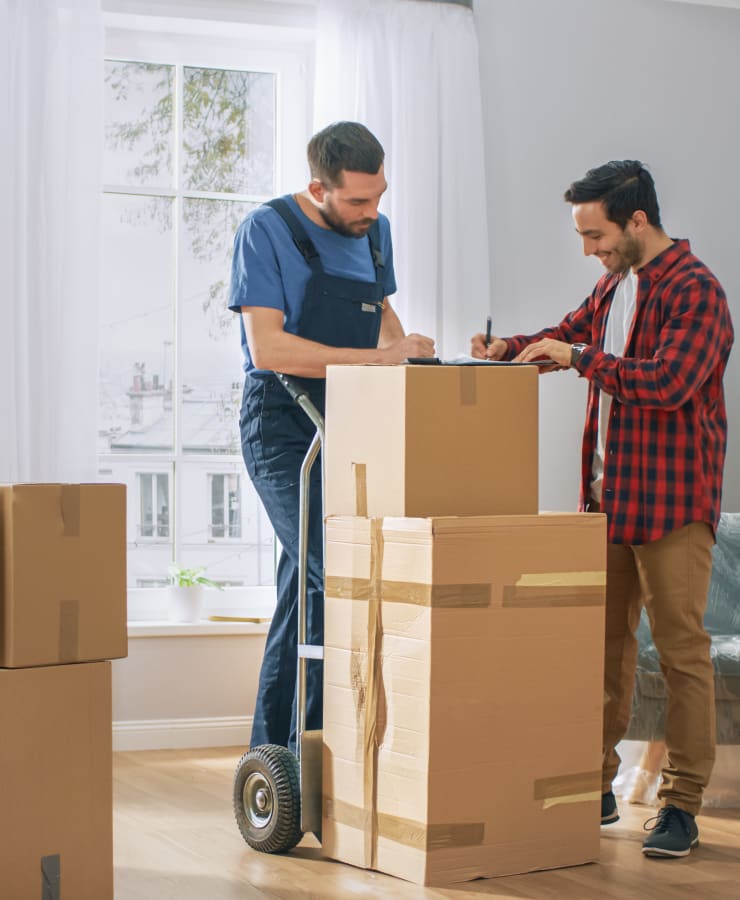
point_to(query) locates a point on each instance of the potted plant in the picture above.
(185, 601)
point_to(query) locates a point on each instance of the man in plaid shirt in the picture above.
(653, 339)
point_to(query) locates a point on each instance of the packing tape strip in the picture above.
(437, 596)
(464, 596)
(572, 798)
(70, 503)
(595, 578)
(360, 473)
(341, 588)
(374, 675)
(526, 597)
(468, 385)
(69, 630)
(577, 788)
(406, 831)
(556, 589)
(51, 877)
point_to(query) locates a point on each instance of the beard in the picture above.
(627, 253)
(356, 229)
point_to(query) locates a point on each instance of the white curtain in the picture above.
(51, 59)
(408, 69)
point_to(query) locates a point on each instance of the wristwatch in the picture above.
(576, 352)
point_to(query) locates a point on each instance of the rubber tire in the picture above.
(274, 770)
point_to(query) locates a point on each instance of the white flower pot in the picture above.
(185, 604)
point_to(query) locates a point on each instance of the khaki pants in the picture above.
(670, 577)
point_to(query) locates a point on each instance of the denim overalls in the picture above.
(276, 433)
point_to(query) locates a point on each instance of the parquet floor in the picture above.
(176, 839)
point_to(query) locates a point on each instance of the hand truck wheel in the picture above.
(267, 799)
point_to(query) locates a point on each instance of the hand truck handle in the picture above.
(300, 395)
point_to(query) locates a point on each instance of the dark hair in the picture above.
(622, 186)
(343, 146)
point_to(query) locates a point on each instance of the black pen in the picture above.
(488, 330)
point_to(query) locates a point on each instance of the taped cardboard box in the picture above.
(56, 783)
(395, 437)
(463, 694)
(62, 573)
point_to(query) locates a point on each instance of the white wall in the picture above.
(570, 85)
(187, 691)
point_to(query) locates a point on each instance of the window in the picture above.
(200, 128)
(154, 505)
(225, 494)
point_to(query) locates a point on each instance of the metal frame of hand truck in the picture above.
(277, 794)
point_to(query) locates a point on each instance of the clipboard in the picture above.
(472, 361)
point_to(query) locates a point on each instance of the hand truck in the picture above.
(277, 794)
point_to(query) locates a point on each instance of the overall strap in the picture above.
(302, 241)
(377, 254)
(307, 248)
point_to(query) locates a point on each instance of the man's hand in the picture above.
(408, 347)
(557, 351)
(495, 350)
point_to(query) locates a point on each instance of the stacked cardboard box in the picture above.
(463, 653)
(431, 441)
(62, 615)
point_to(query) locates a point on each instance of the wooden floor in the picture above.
(176, 839)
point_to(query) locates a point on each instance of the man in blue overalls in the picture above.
(311, 276)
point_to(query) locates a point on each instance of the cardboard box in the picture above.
(463, 694)
(431, 441)
(62, 573)
(56, 783)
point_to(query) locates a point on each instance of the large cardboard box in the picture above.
(431, 440)
(463, 694)
(62, 573)
(56, 783)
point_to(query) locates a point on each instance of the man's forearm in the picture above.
(294, 355)
(391, 329)
(274, 349)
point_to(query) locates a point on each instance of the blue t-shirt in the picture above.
(268, 270)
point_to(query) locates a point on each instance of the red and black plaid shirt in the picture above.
(667, 433)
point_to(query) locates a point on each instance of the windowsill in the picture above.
(203, 628)
(148, 612)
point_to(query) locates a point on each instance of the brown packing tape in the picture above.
(51, 877)
(535, 590)
(69, 631)
(345, 813)
(591, 578)
(576, 788)
(540, 596)
(372, 705)
(468, 385)
(360, 470)
(406, 831)
(431, 837)
(340, 588)
(468, 596)
(70, 502)
(437, 596)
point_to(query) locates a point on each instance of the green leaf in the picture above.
(184, 577)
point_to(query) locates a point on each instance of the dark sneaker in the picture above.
(673, 834)
(609, 811)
